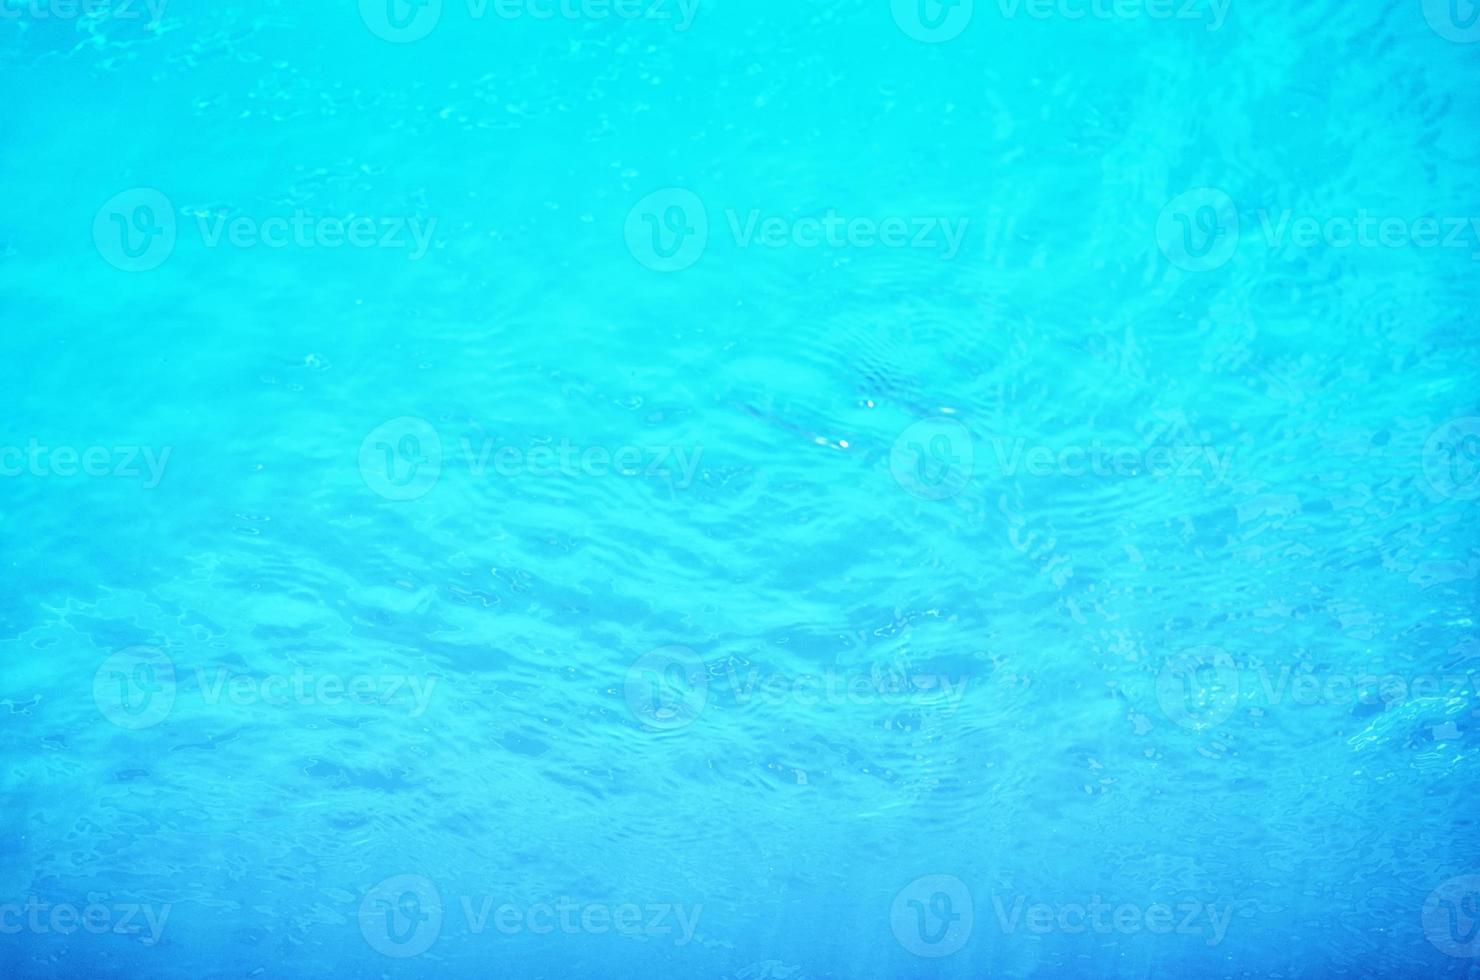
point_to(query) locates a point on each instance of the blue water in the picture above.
(745, 490)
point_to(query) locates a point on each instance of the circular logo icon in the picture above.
(401, 459)
(1454, 20)
(402, 916)
(136, 230)
(135, 688)
(1451, 917)
(932, 21)
(932, 916)
(1198, 231)
(933, 458)
(401, 21)
(1451, 459)
(667, 688)
(668, 230)
(1198, 688)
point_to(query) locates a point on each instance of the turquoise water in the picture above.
(739, 489)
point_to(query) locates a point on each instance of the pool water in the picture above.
(703, 488)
